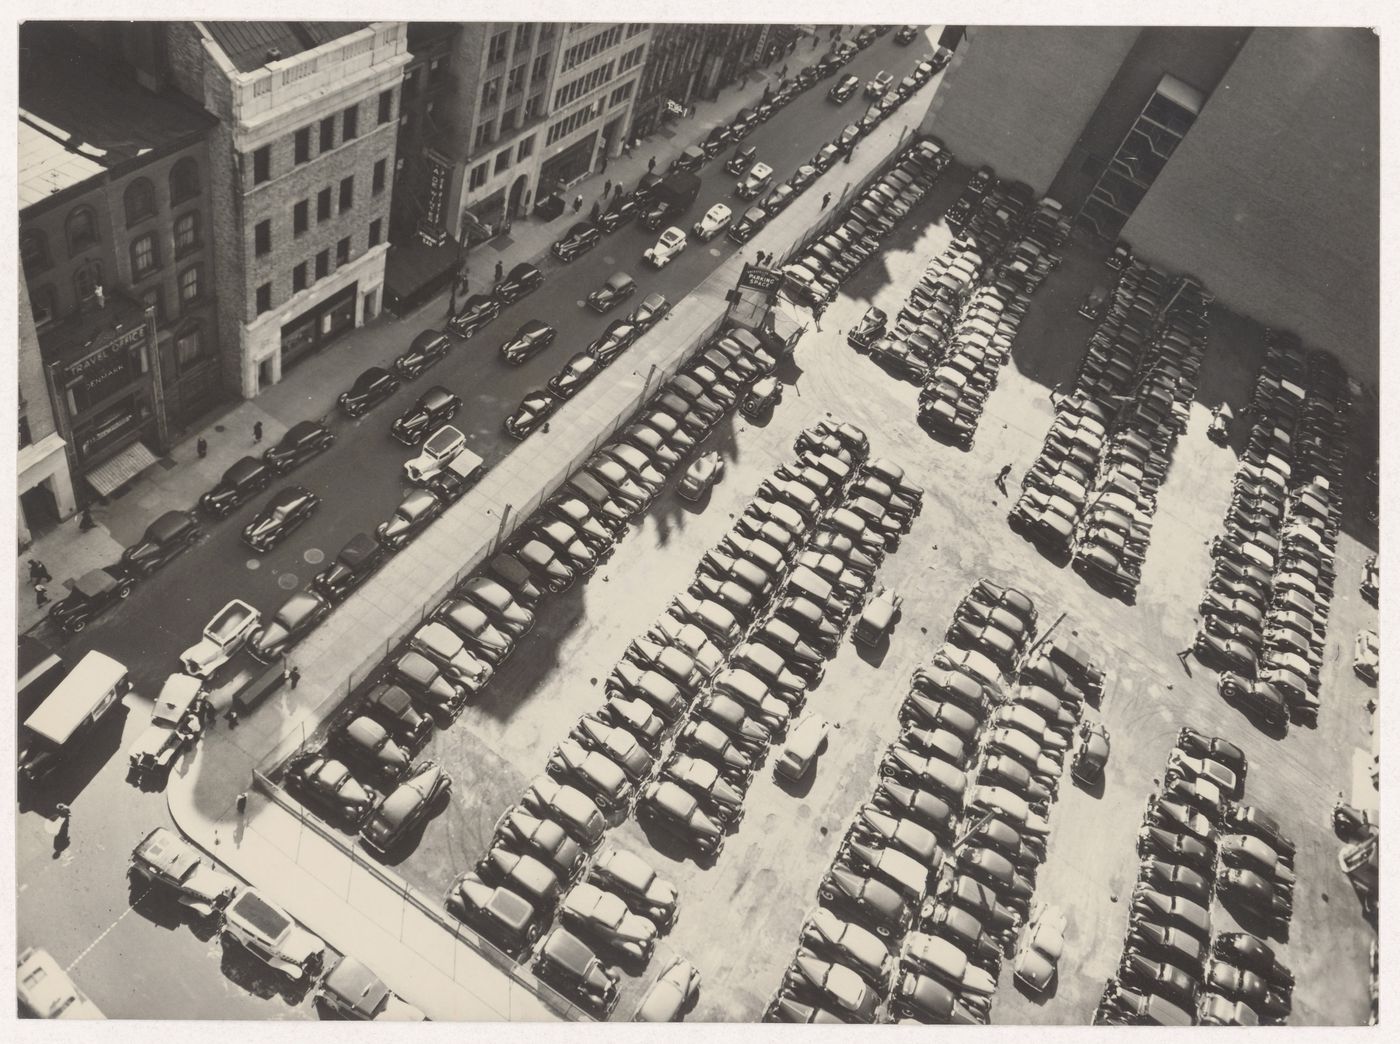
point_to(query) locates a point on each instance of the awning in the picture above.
(121, 469)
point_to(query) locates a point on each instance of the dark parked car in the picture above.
(244, 480)
(905, 34)
(693, 158)
(741, 160)
(298, 615)
(843, 88)
(477, 311)
(779, 199)
(650, 312)
(825, 157)
(434, 408)
(371, 388)
(393, 708)
(848, 137)
(533, 411)
(532, 338)
(617, 289)
(750, 221)
(93, 593)
(506, 917)
(427, 348)
(613, 341)
(303, 441)
(581, 238)
(405, 806)
(412, 515)
(287, 509)
(717, 139)
(620, 211)
(568, 962)
(166, 537)
(802, 177)
(577, 372)
(519, 281)
(359, 558)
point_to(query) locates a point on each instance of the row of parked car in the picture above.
(1264, 614)
(1197, 843)
(1092, 490)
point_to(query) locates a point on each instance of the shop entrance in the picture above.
(318, 326)
(40, 508)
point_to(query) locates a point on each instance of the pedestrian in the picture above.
(782, 73)
(617, 190)
(41, 595)
(202, 448)
(651, 165)
(294, 676)
(826, 198)
(500, 271)
(848, 154)
(607, 187)
(578, 204)
(242, 802)
(257, 431)
(85, 521)
(60, 837)
(232, 718)
(38, 571)
(593, 214)
(1001, 477)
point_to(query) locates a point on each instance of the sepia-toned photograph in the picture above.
(723, 522)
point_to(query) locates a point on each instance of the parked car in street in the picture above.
(532, 338)
(579, 239)
(440, 449)
(245, 479)
(169, 535)
(425, 349)
(92, 594)
(534, 409)
(296, 618)
(284, 512)
(577, 372)
(303, 440)
(522, 279)
(748, 225)
(712, 222)
(434, 407)
(668, 245)
(268, 933)
(476, 311)
(352, 991)
(615, 339)
(224, 636)
(413, 514)
(353, 563)
(371, 387)
(165, 858)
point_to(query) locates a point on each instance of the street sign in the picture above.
(764, 280)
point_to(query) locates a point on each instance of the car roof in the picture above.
(370, 375)
(523, 269)
(286, 497)
(579, 227)
(243, 468)
(620, 279)
(426, 337)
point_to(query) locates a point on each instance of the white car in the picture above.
(715, 221)
(270, 934)
(755, 181)
(1367, 661)
(671, 243)
(799, 753)
(226, 633)
(1039, 948)
(440, 449)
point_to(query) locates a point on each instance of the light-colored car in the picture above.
(269, 934)
(714, 221)
(355, 992)
(1367, 661)
(591, 910)
(168, 858)
(671, 995)
(46, 992)
(670, 243)
(225, 635)
(758, 178)
(440, 449)
(1039, 948)
(176, 719)
(703, 473)
(805, 740)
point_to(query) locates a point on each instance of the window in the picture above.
(41, 304)
(328, 134)
(499, 42)
(323, 264)
(82, 229)
(188, 347)
(522, 36)
(478, 176)
(490, 90)
(631, 59)
(483, 134)
(184, 180)
(532, 106)
(323, 205)
(515, 82)
(262, 164)
(87, 279)
(621, 94)
(301, 218)
(540, 68)
(26, 437)
(190, 285)
(143, 256)
(406, 118)
(155, 302)
(374, 231)
(139, 200)
(299, 278)
(186, 232)
(302, 148)
(525, 148)
(377, 185)
(264, 298)
(342, 252)
(350, 123)
(386, 105)
(34, 249)
(502, 160)
(347, 193)
(262, 238)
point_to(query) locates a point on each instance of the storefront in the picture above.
(318, 326)
(575, 162)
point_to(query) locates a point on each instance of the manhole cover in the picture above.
(219, 427)
(254, 563)
(607, 260)
(288, 581)
(313, 556)
(714, 251)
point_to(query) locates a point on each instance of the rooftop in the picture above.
(76, 121)
(251, 45)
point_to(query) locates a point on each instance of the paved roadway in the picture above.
(77, 903)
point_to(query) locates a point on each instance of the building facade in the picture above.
(689, 61)
(303, 156)
(45, 484)
(117, 251)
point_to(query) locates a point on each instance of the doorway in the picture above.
(517, 197)
(40, 508)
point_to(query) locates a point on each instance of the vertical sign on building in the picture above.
(431, 229)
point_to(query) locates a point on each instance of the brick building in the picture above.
(116, 245)
(691, 60)
(303, 156)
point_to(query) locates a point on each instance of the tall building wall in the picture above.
(1273, 197)
(1018, 98)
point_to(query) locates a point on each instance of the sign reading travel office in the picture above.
(99, 374)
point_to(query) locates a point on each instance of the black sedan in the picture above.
(360, 557)
(581, 238)
(534, 410)
(842, 89)
(405, 806)
(780, 197)
(618, 288)
(802, 177)
(371, 388)
(613, 341)
(247, 477)
(291, 623)
(620, 211)
(287, 509)
(302, 442)
(519, 281)
(166, 537)
(425, 349)
(434, 407)
(577, 372)
(477, 311)
(750, 221)
(650, 312)
(410, 518)
(906, 34)
(849, 136)
(532, 338)
(717, 139)
(93, 593)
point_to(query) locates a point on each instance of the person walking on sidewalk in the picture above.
(651, 165)
(1001, 478)
(38, 572)
(202, 448)
(578, 204)
(41, 594)
(607, 187)
(826, 198)
(500, 271)
(293, 676)
(85, 521)
(257, 431)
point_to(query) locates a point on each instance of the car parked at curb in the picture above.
(434, 407)
(532, 338)
(302, 441)
(371, 387)
(170, 535)
(522, 279)
(424, 350)
(579, 239)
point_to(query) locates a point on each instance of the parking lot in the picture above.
(739, 918)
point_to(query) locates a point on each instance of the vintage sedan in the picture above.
(92, 594)
(372, 746)
(405, 806)
(749, 223)
(532, 338)
(592, 911)
(507, 918)
(639, 885)
(668, 245)
(475, 313)
(595, 773)
(678, 811)
(671, 995)
(410, 518)
(617, 288)
(567, 961)
(282, 514)
(354, 992)
(165, 857)
(505, 611)
(713, 222)
(577, 372)
(581, 238)
(171, 534)
(534, 409)
(298, 615)
(544, 839)
(613, 341)
(620, 211)
(392, 707)
(246, 478)
(371, 387)
(331, 785)
(434, 407)
(303, 440)
(440, 644)
(353, 563)
(524, 278)
(472, 624)
(425, 349)
(570, 807)
(650, 312)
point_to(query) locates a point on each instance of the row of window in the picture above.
(349, 121)
(503, 162)
(145, 250)
(80, 227)
(569, 124)
(88, 277)
(594, 45)
(577, 88)
(632, 58)
(301, 210)
(307, 272)
(515, 80)
(621, 94)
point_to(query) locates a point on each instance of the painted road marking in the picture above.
(93, 945)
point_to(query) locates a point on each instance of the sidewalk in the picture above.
(310, 390)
